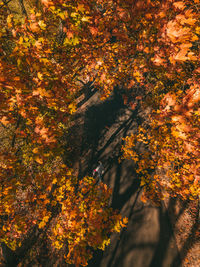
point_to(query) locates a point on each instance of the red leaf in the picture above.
(94, 30)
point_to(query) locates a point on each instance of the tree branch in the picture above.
(5, 3)
(14, 136)
(21, 2)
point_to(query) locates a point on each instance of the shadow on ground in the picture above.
(148, 240)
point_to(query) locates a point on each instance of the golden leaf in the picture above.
(39, 160)
(40, 75)
(35, 150)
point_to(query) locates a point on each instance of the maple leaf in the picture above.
(81, 7)
(181, 56)
(47, 3)
(72, 108)
(4, 120)
(179, 5)
(35, 150)
(40, 75)
(158, 60)
(93, 30)
(69, 34)
(34, 26)
(39, 160)
(175, 32)
(86, 18)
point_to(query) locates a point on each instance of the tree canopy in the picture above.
(150, 48)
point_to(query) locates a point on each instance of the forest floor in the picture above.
(184, 218)
(148, 240)
(156, 236)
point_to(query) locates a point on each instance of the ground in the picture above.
(156, 236)
(149, 239)
(184, 219)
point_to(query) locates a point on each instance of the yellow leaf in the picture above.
(54, 181)
(197, 29)
(85, 19)
(45, 219)
(80, 7)
(72, 108)
(69, 172)
(35, 150)
(58, 245)
(124, 222)
(62, 15)
(117, 227)
(19, 62)
(40, 75)
(4, 120)
(75, 40)
(74, 14)
(39, 160)
(42, 24)
(9, 19)
(41, 224)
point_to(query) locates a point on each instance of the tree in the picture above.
(38, 82)
(171, 44)
(149, 47)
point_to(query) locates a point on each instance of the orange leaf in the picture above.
(69, 34)
(182, 55)
(39, 160)
(94, 31)
(34, 27)
(47, 3)
(179, 5)
(4, 120)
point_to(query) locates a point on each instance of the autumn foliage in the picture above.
(149, 47)
(41, 59)
(170, 165)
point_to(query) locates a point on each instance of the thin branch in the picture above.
(21, 2)
(14, 136)
(5, 3)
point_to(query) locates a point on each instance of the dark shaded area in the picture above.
(102, 143)
(99, 116)
(166, 234)
(148, 240)
(97, 120)
(123, 232)
(88, 90)
(9, 255)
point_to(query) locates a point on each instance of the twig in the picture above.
(21, 2)
(5, 3)
(14, 136)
